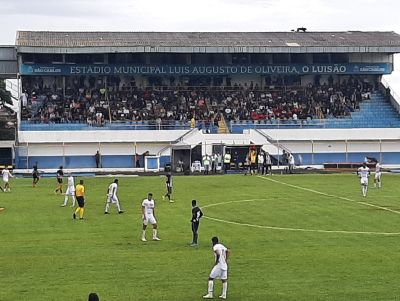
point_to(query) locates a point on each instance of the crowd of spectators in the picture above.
(91, 104)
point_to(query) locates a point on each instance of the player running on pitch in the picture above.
(70, 191)
(35, 176)
(148, 216)
(168, 184)
(59, 176)
(6, 179)
(378, 174)
(363, 172)
(220, 269)
(112, 197)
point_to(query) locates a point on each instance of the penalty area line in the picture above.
(330, 195)
(301, 229)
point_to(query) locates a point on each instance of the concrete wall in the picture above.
(310, 146)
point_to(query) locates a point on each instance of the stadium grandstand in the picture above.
(145, 100)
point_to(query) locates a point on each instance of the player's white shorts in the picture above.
(218, 273)
(70, 190)
(5, 180)
(112, 199)
(149, 219)
(364, 181)
(378, 176)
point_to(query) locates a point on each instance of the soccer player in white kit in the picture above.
(70, 191)
(6, 178)
(378, 174)
(363, 172)
(112, 197)
(220, 269)
(148, 216)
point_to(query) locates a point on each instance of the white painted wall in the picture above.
(99, 136)
(334, 134)
(123, 142)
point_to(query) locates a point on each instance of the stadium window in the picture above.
(200, 59)
(57, 58)
(337, 58)
(280, 58)
(299, 58)
(156, 58)
(217, 59)
(69, 59)
(28, 58)
(178, 58)
(240, 59)
(97, 58)
(43, 58)
(260, 58)
(321, 58)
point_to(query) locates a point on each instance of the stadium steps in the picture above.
(222, 126)
(376, 112)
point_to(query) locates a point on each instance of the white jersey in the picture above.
(6, 175)
(377, 168)
(363, 172)
(112, 189)
(71, 183)
(148, 207)
(220, 249)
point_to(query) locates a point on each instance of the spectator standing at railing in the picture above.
(97, 157)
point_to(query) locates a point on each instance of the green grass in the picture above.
(46, 255)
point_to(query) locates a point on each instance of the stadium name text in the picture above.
(203, 70)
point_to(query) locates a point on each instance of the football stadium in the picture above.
(288, 142)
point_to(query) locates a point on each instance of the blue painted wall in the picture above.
(116, 161)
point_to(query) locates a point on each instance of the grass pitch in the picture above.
(317, 239)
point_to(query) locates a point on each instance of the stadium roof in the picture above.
(207, 42)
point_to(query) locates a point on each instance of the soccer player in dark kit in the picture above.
(196, 215)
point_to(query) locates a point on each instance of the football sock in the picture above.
(73, 200)
(65, 200)
(107, 206)
(210, 286)
(77, 210)
(195, 236)
(118, 206)
(144, 234)
(224, 288)
(81, 212)
(154, 233)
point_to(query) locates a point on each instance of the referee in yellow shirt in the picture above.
(80, 197)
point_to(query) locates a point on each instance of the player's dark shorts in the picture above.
(60, 180)
(253, 166)
(81, 201)
(34, 176)
(195, 226)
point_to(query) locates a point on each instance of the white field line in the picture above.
(300, 229)
(331, 195)
(296, 229)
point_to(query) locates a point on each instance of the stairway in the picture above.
(222, 126)
(376, 112)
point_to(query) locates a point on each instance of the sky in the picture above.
(204, 15)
